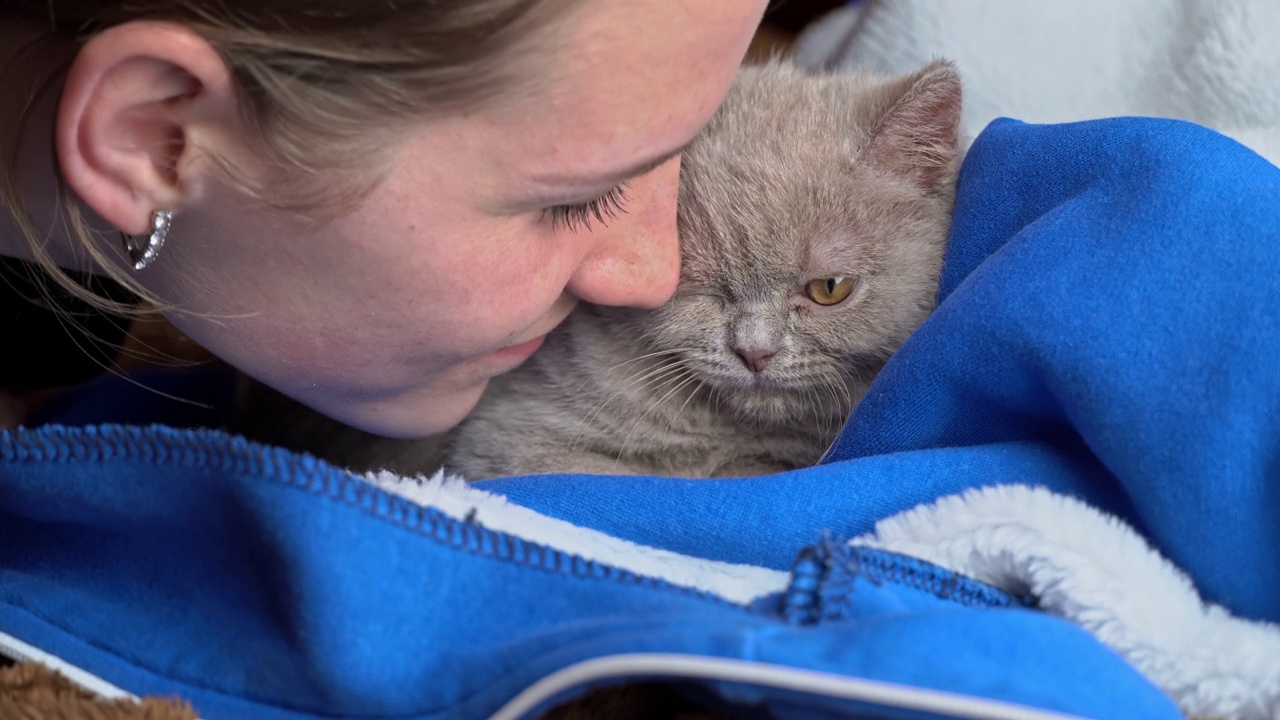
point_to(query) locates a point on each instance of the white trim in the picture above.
(13, 648)
(454, 497)
(671, 666)
(1097, 572)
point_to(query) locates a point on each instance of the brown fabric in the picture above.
(29, 691)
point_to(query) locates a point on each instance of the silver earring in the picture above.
(141, 255)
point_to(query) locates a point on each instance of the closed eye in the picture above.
(579, 216)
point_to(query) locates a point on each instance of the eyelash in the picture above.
(603, 209)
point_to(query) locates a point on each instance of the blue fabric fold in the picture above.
(1110, 329)
(259, 584)
(1116, 301)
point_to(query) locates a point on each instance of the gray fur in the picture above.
(798, 177)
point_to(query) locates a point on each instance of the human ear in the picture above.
(143, 102)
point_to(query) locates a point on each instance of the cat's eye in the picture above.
(603, 209)
(830, 291)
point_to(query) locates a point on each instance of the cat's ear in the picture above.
(918, 133)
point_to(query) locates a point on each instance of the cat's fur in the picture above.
(797, 178)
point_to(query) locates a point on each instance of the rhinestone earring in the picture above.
(142, 256)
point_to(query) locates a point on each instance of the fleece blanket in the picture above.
(1060, 499)
(1213, 62)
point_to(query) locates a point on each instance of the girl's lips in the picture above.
(519, 353)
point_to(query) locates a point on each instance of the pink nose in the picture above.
(756, 359)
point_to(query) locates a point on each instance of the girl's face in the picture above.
(487, 230)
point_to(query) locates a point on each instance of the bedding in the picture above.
(1058, 500)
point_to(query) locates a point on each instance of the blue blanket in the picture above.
(1110, 329)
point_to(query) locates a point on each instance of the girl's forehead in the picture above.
(635, 83)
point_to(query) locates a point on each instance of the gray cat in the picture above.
(813, 211)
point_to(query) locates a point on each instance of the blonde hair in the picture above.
(325, 84)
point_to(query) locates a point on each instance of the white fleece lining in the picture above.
(1094, 570)
(666, 665)
(1024, 59)
(454, 497)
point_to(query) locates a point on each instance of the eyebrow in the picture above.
(613, 178)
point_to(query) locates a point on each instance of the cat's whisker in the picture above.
(811, 397)
(688, 378)
(852, 382)
(692, 395)
(720, 401)
(715, 402)
(682, 379)
(647, 382)
(842, 392)
(845, 379)
(646, 356)
(654, 375)
(662, 368)
(829, 431)
(818, 401)
(828, 423)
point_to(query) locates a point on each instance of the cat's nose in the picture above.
(756, 359)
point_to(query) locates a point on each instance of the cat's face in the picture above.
(813, 215)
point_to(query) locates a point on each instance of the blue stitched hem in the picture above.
(217, 451)
(825, 579)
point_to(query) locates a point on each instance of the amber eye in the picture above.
(829, 291)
